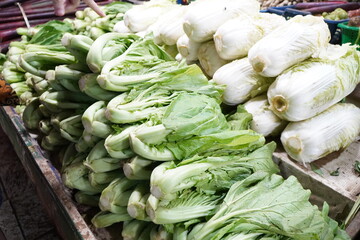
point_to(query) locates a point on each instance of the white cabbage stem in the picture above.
(264, 120)
(188, 48)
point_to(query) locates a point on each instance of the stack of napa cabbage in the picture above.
(302, 76)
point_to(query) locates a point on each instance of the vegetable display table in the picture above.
(339, 191)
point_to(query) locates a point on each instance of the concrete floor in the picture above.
(22, 217)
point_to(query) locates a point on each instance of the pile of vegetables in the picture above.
(36, 12)
(127, 103)
(336, 15)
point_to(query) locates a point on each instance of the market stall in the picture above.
(162, 121)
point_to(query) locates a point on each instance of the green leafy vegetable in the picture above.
(209, 174)
(268, 205)
(51, 32)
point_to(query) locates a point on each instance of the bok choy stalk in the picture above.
(115, 196)
(44, 110)
(108, 47)
(142, 61)
(209, 59)
(32, 114)
(294, 41)
(188, 205)
(241, 81)
(86, 141)
(56, 118)
(145, 235)
(117, 144)
(234, 38)
(159, 232)
(101, 178)
(75, 176)
(132, 229)
(188, 48)
(90, 87)
(45, 126)
(45, 60)
(209, 174)
(53, 141)
(96, 32)
(58, 100)
(12, 75)
(94, 120)
(53, 83)
(26, 97)
(57, 47)
(13, 50)
(140, 17)
(10, 65)
(180, 233)
(71, 156)
(204, 17)
(71, 128)
(77, 45)
(330, 134)
(295, 96)
(105, 219)
(264, 121)
(39, 84)
(68, 77)
(98, 159)
(20, 87)
(268, 205)
(86, 199)
(137, 201)
(138, 168)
